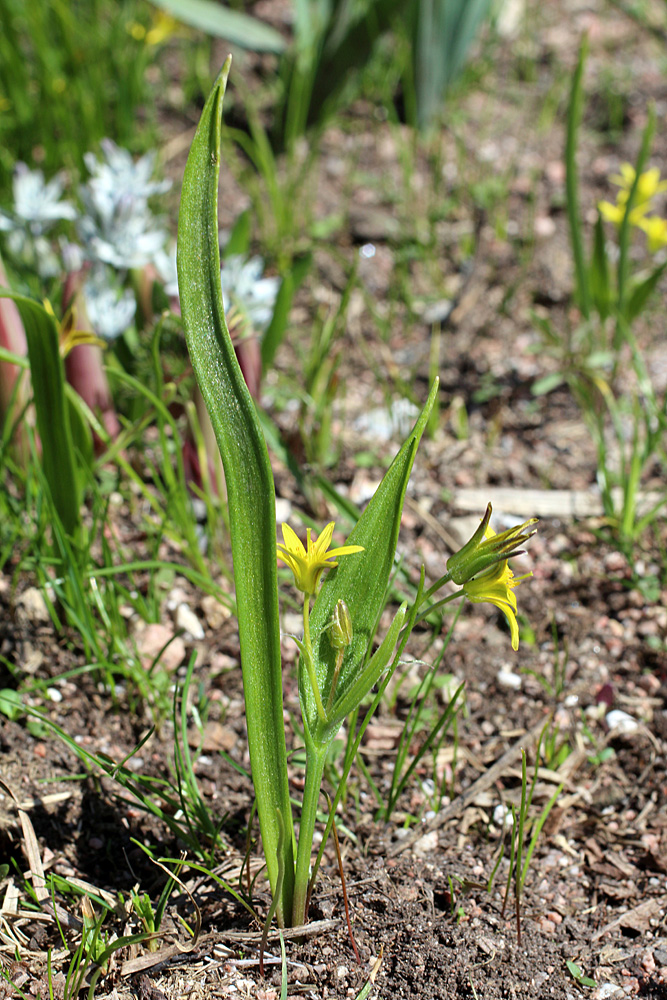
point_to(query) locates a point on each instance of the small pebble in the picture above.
(292, 623)
(31, 607)
(660, 956)
(544, 226)
(607, 990)
(215, 611)
(621, 721)
(648, 962)
(188, 621)
(508, 680)
(502, 816)
(158, 639)
(427, 843)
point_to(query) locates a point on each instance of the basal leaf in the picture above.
(249, 479)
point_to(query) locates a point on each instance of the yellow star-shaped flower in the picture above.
(496, 586)
(309, 563)
(616, 213)
(648, 185)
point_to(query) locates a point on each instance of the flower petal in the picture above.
(292, 541)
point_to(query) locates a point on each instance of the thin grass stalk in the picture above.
(624, 235)
(574, 113)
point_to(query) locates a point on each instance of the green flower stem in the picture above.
(315, 760)
(307, 653)
(436, 586)
(438, 604)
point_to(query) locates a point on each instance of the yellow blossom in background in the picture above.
(136, 30)
(648, 186)
(656, 231)
(309, 563)
(616, 213)
(164, 27)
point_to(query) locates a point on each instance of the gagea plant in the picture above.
(343, 588)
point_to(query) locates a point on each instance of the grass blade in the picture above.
(572, 183)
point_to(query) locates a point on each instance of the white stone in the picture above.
(188, 621)
(158, 639)
(31, 607)
(606, 990)
(427, 843)
(509, 680)
(502, 816)
(621, 721)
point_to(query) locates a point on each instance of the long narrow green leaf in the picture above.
(250, 489)
(572, 183)
(642, 292)
(232, 25)
(599, 272)
(51, 408)
(624, 233)
(445, 30)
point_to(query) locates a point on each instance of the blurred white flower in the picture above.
(126, 238)
(118, 177)
(72, 255)
(118, 227)
(37, 205)
(110, 308)
(247, 292)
